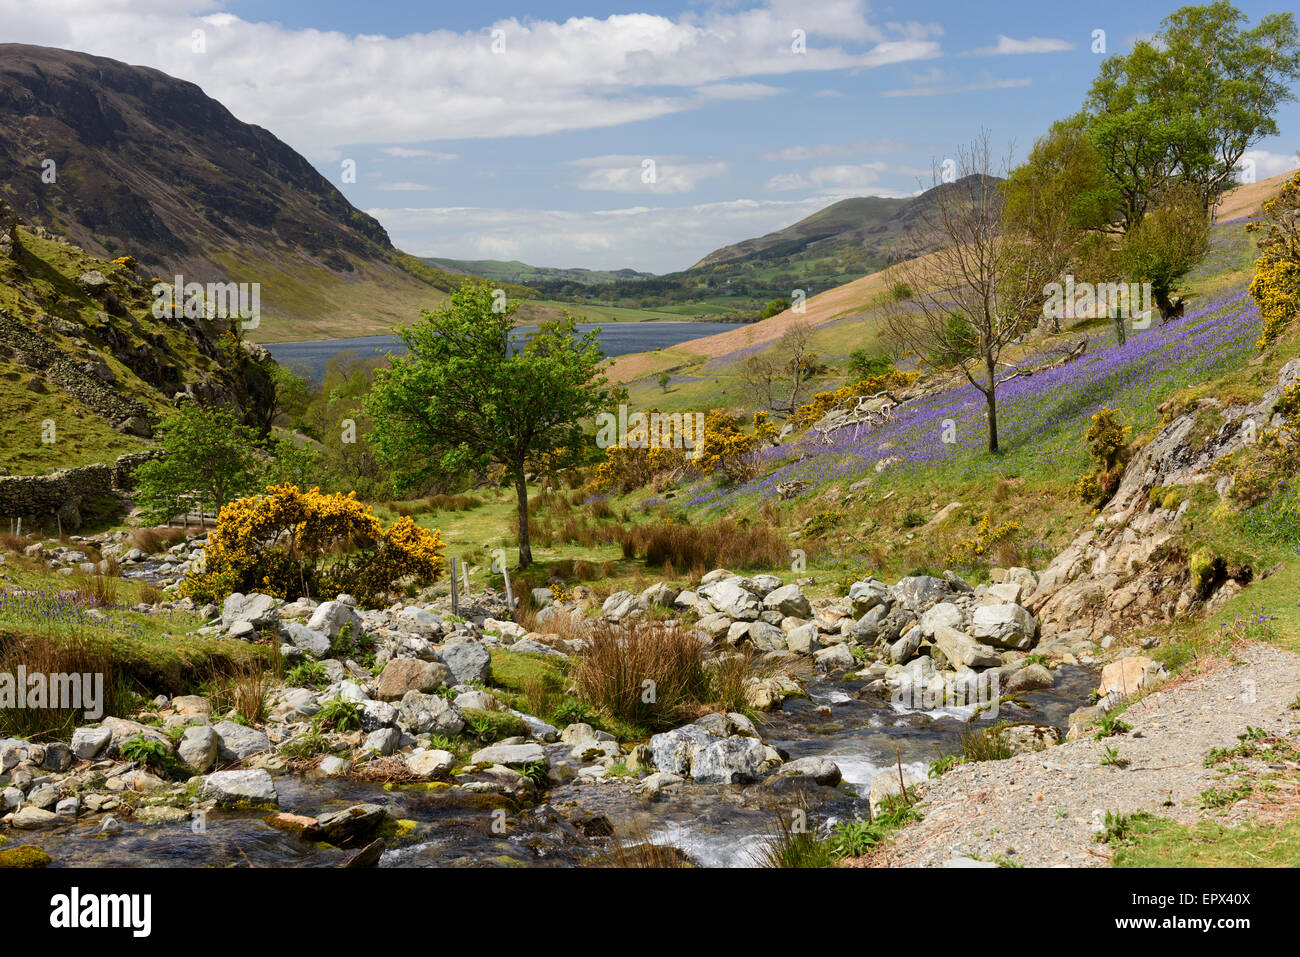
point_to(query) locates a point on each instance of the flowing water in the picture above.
(714, 826)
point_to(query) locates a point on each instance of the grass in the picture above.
(1151, 841)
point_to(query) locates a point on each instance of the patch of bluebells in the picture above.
(51, 608)
(1216, 337)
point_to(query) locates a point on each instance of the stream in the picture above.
(714, 826)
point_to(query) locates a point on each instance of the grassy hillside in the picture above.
(137, 357)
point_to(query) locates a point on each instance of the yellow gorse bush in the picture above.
(1276, 284)
(823, 402)
(290, 544)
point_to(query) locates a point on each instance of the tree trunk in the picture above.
(525, 549)
(1119, 330)
(991, 396)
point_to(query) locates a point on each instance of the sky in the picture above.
(623, 133)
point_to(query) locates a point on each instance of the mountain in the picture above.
(519, 272)
(149, 166)
(866, 227)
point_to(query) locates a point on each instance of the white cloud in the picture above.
(1268, 164)
(1007, 45)
(319, 90)
(818, 150)
(660, 239)
(967, 88)
(405, 187)
(404, 152)
(646, 174)
(829, 179)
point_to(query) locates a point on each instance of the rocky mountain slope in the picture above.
(149, 166)
(85, 366)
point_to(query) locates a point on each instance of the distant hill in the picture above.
(150, 166)
(522, 273)
(834, 246)
(868, 226)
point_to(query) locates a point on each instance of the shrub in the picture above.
(648, 675)
(292, 544)
(727, 449)
(987, 538)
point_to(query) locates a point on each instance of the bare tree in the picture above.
(778, 377)
(975, 292)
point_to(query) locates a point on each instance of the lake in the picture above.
(616, 339)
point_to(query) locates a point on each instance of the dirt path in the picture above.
(1041, 809)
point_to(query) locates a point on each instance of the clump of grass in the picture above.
(71, 655)
(987, 744)
(151, 541)
(643, 673)
(307, 674)
(723, 544)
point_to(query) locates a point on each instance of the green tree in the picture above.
(1056, 199)
(775, 307)
(863, 364)
(461, 401)
(1165, 246)
(204, 452)
(664, 379)
(289, 395)
(1185, 105)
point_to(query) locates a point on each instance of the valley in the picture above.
(922, 563)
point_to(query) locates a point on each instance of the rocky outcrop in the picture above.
(1129, 569)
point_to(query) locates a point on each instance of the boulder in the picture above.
(788, 600)
(467, 659)
(945, 613)
(835, 658)
(300, 636)
(1029, 678)
(259, 611)
(658, 595)
(237, 741)
(1127, 676)
(961, 649)
(822, 770)
(1006, 626)
(409, 674)
(619, 605)
(509, 754)
(803, 640)
(331, 617)
(422, 713)
(673, 751)
(198, 748)
(352, 824)
(89, 743)
(866, 595)
(886, 784)
(902, 651)
(1027, 738)
(920, 592)
(430, 762)
(729, 598)
(239, 787)
(734, 760)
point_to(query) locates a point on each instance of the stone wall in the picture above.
(62, 492)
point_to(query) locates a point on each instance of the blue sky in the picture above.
(536, 149)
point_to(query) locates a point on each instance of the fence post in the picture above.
(464, 570)
(510, 598)
(455, 598)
